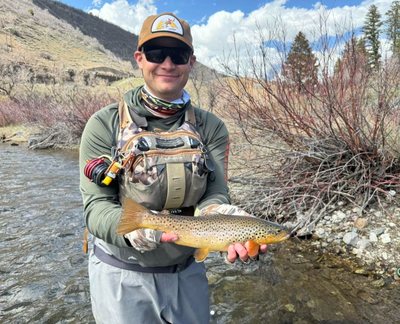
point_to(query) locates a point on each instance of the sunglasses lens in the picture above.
(154, 55)
(178, 56)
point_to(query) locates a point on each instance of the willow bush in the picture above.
(312, 144)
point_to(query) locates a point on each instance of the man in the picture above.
(143, 277)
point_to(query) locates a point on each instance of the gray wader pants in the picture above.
(123, 296)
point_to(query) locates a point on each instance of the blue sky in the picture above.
(218, 25)
(196, 11)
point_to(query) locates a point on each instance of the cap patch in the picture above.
(167, 23)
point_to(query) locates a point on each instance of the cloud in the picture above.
(96, 3)
(128, 16)
(213, 38)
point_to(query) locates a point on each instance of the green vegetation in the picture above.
(393, 26)
(372, 33)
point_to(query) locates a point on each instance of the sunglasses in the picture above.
(158, 55)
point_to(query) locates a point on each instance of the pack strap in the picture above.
(176, 185)
(190, 116)
(125, 117)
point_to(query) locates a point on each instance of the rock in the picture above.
(378, 231)
(373, 237)
(363, 244)
(392, 225)
(378, 283)
(356, 210)
(320, 233)
(290, 308)
(378, 214)
(361, 223)
(350, 238)
(385, 238)
(384, 256)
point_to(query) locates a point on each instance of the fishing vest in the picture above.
(161, 170)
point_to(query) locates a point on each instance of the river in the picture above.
(43, 272)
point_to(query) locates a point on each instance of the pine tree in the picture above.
(301, 64)
(354, 57)
(372, 32)
(393, 26)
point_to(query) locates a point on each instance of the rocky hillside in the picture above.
(118, 41)
(32, 37)
(52, 38)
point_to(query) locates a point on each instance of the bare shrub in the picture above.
(312, 144)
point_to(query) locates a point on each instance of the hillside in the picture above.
(34, 38)
(52, 38)
(117, 40)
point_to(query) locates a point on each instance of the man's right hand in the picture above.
(146, 239)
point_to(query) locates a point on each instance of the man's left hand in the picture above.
(238, 250)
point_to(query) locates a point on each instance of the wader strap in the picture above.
(190, 116)
(125, 117)
(113, 261)
(85, 242)
(176, 185)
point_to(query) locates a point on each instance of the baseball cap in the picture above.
(165, 25)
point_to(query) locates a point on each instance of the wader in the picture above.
(127, 286)
(128, 297)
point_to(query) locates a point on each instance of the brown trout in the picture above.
(206, 233)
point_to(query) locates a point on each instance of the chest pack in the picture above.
(161, 170)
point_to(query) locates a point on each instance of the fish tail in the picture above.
(132, 216)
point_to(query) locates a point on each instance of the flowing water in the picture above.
(43, 276)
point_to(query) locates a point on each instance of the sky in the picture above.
(219, 24)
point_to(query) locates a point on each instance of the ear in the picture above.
(139, 59)
(191, 61)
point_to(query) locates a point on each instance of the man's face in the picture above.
(165, 80)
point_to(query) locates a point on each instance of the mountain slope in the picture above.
(32, 37)
(117, 40)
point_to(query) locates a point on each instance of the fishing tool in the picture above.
(101, 172)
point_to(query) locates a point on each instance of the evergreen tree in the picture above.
(301, 64)
(393, 26)
(354, 57)
(372, 32)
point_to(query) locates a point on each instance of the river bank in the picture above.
(370, 240)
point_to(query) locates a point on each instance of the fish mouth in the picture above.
(284, 237)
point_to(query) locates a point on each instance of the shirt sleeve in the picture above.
(216, 138)
(102, 209)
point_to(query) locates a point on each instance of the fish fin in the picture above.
(253, 248)
(201, 254)
(132, 215)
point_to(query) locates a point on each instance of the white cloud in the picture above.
(96, 3)
(128, 16)
(213, 37)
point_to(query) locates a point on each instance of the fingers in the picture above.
(169, 237)
(263, 248)
(238, 249)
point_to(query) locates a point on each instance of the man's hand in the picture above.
(237, 249)
(146, 239)
(169, 237)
